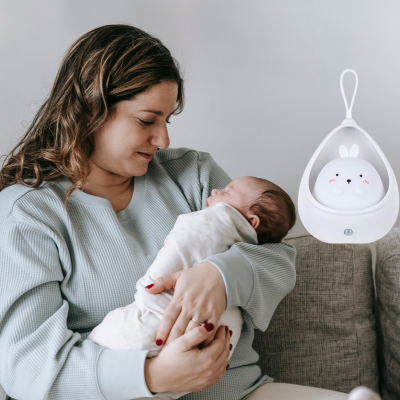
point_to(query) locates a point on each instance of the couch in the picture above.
(339, 328)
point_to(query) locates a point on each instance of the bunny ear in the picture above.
(343, 151)
(354, 150)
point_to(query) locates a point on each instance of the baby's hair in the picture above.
(276, 211)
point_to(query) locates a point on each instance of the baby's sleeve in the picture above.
(40, 357)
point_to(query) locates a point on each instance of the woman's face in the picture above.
(137, 126)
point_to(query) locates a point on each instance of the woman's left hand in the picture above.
(199, 292)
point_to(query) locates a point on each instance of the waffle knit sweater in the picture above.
(63, 269)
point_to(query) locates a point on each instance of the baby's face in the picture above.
(240, 193)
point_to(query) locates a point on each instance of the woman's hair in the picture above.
(106, 65)
(276, 211)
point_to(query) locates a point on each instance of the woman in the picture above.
(87, 199)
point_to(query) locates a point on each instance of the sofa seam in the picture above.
(297, 236)
(383, 262)
(353, 320)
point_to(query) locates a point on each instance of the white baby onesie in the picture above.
(194, 237)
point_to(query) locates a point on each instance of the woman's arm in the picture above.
(40, 357)
(257, 277)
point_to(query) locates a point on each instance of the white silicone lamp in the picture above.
(363, 224)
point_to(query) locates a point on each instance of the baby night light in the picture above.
(348, 192)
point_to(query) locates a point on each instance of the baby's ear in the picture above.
(254, 221)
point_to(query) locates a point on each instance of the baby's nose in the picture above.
(214, 192)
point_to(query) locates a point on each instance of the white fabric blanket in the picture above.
(194, 237)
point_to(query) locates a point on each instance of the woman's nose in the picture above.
(160, 138)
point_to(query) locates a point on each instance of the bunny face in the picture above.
(348, 183)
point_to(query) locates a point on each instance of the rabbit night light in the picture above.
(348, 183)
(353, 198)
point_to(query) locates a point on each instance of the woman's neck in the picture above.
(108, 190)
(117, 189)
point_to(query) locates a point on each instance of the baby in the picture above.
(249, 209)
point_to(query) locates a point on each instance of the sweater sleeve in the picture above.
(40, 357)
(257, 277)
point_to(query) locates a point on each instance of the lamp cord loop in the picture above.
(348, 110)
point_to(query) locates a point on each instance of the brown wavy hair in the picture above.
(106, 65)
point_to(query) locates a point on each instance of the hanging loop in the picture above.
(348, 110)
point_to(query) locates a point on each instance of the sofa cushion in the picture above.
(323, 333)
(388, 313)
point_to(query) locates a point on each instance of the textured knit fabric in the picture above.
(323, 333)
(62, 271)
(388, 313)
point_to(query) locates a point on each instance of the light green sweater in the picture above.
(62, 270)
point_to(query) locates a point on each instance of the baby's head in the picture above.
(267, 207)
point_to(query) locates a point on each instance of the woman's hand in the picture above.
(199, 292)
(183, 367)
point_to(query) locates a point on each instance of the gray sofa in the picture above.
(332, 331)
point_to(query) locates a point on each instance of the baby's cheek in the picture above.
(214, 200)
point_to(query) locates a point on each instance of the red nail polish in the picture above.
(230, 332)
(209, 326)
(159, 342)
(227, 366)
(230, 346)
(226, 329)
(150, 286)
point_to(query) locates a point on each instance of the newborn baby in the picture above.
(249, 209)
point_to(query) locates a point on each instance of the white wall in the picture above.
(262, 77)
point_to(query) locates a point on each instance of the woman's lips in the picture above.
(146, 156)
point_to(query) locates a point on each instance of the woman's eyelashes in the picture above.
(146, 123)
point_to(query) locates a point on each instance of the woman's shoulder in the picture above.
(21, 197)
(181, 153)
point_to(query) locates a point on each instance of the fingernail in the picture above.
(230, 346)
(159, 342)
(209, 326)
(150, 286)
(230, 332)
(226, 329)
(227, 366)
